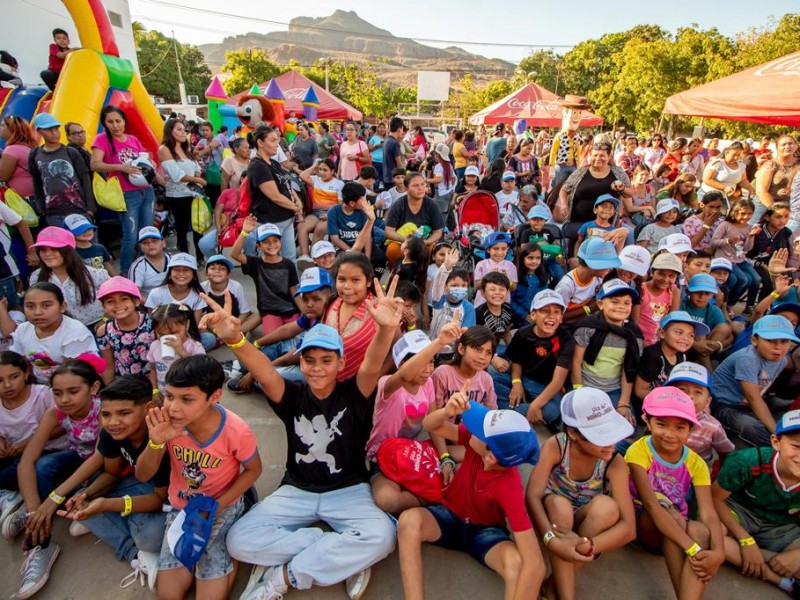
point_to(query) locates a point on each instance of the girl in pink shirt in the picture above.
(660, 295)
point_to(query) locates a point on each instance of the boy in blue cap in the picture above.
(701, 289)
(605, 212)
(485, 493)
(327, 426)
(554, 262)
(496, 245)
(218, 279)
(757, 496)
(741, 380)
(596, 257)
(93, 254)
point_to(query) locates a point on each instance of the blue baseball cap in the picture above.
(150, 233)
(313, 279)
(322, 336)
(690, 372)
(785, 307)
(681, 316)
(506, 432)
(190, 532)
(616, 287)
(775, 327)
(702, 282)
(45, 121)
(721, 264)
(78, 224)
(788, 423)
(496, 237)
(599, 254)
(266, 230)
(220, 258)
(607, 198)
(539, 212)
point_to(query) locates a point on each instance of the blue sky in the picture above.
(523, 22)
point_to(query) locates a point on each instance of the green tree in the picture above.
(246, 67)
(542, 67)
(757, 46)
(156, 55)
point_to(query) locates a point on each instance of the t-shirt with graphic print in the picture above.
(743, 365)
(82, 433)
(209, 469)
(95, 256)
(654, 367)
(326, 193)
(326, 437)
(111, 448)
(60, 171)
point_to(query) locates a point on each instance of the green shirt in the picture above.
(751, 476)
(328, 140)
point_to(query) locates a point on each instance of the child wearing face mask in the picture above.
(449, 295)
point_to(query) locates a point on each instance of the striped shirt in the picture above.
(357, 333)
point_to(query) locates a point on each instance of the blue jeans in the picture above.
(208, 339)
(554, 269)
(288, 247)
(743, 423)
(52, 469)
(139, 213)
(128, 535)
(743, 277)
(562, 172)
(208, 243)
(758, 212)
(551, 412)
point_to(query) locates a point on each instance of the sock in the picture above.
(787, 584)
(278, 582)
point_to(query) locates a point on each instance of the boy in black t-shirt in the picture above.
(129, 516)
(538, 363)
(676, 334)
(327, 426)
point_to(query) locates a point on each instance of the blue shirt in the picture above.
(450, 308)
(377, 154)
(743, 365)
(346, 227)
(710, 315)
(584, 230)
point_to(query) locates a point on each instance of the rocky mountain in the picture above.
(346, 36)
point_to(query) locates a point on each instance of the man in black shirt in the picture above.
(327, 425)
(392, 151)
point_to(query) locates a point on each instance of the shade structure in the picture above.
(768, 93)
(295, 86)
(538, 106)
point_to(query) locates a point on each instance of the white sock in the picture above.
(278, 580)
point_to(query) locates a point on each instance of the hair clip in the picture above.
(98, 363)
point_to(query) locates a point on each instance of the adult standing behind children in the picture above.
(269, 189)
(112, 153)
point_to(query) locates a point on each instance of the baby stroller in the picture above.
(478, 215)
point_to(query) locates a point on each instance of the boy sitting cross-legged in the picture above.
(327, 425)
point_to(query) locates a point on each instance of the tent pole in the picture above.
(660, 122)
(669, 128)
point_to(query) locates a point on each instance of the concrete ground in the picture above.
(86, 567)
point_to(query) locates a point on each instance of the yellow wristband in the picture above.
(238, 344)
(692, 550)
(513, 381)
(748, 541)
(128, 506)
(548, 537)
(256, 345)
(411, 328)
(775, 295)
(244, 233)
(59, 500)
(577, 386)
(156, 391)
(444, 455)
(587, 310)
(154, 446)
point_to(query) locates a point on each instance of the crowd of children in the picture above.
(409, 403)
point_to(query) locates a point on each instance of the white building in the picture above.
(26, 31)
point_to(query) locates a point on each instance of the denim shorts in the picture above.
(475, 540)
(774, 538)
(216, 562)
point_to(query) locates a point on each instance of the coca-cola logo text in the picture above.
(533, 105)
(788, 65)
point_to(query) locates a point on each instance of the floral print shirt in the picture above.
(83, 434)
(129, 347)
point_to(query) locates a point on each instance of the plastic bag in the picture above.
(202, 215)
(18, 204)
(108, 193)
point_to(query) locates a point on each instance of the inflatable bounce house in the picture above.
(91, 78)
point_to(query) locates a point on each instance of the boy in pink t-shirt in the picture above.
(212, 453)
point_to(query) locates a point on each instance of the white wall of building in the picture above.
(26, 26)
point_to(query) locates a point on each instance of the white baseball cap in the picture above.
(150, 233)
(665, 206)
(182, 259)
(691, 373)
(546, 298)
(472, 170)
(591, 412)
(635, 259)
(676, 243)
(721, 263)
(412, 342)
(266, 230)
(322, 248)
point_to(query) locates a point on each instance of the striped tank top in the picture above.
(579, 493)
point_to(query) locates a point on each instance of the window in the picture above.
(115, 18)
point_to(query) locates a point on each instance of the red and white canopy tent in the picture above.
(294, 87)
(538, 106)
(768, 93)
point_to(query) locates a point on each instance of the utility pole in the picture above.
(181, 85)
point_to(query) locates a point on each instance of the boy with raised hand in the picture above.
(327, 426)
(212, 453)
(485, 493)
(123, 512)
(757, 495)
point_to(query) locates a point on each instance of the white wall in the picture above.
(26, 26)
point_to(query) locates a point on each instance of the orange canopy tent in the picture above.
(769, 93)
(538, 106)
(294, 87)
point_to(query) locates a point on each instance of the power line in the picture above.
(361, 34)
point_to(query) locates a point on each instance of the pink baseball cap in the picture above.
(118, 284)
(668, 401)
(54, 237)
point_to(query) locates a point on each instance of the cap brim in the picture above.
(686, 379)
(635, 269)
(602, 263)
(269, 235)
(473, 419)
(151, 237)
(777, 335)
(318, 344)
(680, 249)
(668, 412)
(620, 292)
(82, 229)
(703, 288)
(617, 428)
(309, 288)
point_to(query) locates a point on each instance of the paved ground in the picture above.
(87, 569)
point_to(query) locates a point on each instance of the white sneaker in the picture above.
(13, 525)
(145, 570)
(263, 585)
(256, 580)
(357, 584)
(9, 502)
(36, 569)
(77, 529)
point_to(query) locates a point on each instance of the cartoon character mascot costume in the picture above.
(564, 152)
(256, 110)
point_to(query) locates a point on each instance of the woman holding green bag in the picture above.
(113, 153)
(209, 154)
